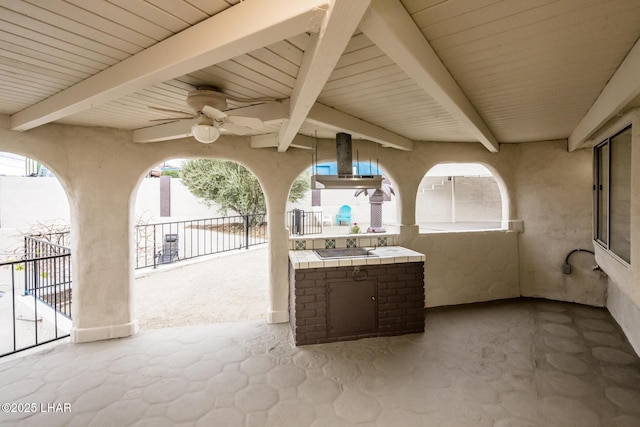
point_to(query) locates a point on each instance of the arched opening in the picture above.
(35, 255)
(201, 254)
(347, 211)
(460, 197)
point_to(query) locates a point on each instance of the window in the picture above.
(612, 198)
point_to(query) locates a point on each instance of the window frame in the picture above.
(602, 201)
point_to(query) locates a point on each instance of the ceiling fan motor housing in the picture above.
(199, 98)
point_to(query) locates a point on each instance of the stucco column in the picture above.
(276, 198)
(406, 197)
(102, 268)
(100, 177)
(276, 172)
(98, 172)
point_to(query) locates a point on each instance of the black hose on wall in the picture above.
(566, 267)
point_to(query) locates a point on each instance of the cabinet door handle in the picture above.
(359, 274)
(373, 298)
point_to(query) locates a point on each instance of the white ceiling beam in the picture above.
(328, 117)
(391, 28)
(242, 28)
(270, 140)
(164, 132)
(267, 140)
(622, 88)
(318, 62)
(272, 111)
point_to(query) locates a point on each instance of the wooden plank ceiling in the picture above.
(500, 71)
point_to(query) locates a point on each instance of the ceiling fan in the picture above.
(208, 105)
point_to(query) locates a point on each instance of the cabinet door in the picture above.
(352, 307)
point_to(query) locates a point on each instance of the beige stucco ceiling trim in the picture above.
(391, 28)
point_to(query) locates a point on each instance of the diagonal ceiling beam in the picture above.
(318, 62)
(622, 88)
(331, 118)
(391, 28)
(242, 28)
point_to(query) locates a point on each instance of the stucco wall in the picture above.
(549, 189)
(25, 202)
(554, 199)
(542, 184)
(183, 204)
(469, 267)
(29, 203)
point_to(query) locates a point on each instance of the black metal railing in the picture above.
(60, 238)
(35, 297)
(168, 242)
(302, 222)
(48, 273)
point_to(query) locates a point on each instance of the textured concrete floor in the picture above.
(511, 363)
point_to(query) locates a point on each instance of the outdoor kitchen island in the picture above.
(353, 293)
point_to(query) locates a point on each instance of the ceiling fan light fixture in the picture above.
(205, 133)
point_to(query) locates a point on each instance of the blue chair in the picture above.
(344, 215)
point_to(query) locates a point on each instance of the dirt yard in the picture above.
(231, 287)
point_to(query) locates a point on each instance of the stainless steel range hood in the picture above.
(345, 177)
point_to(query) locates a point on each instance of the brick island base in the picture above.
(346, 303)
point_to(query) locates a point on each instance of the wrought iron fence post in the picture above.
(26, 274)
(246, 231)
(155, 255)
(35, 277)
(297, 222)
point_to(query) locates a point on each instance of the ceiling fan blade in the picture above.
(214, 113)
(171, 119)
(168, 110)
(237, 129)
(250, 122)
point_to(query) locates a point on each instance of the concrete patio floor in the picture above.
(510, 363)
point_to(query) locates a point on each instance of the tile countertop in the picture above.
(386, 255)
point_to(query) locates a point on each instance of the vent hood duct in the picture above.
(345, 179)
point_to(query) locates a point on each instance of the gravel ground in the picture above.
(229, 287)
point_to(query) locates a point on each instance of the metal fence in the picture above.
(35, 296)
(302, 222)
(168, 242)
(48, 272)
(60, 238)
